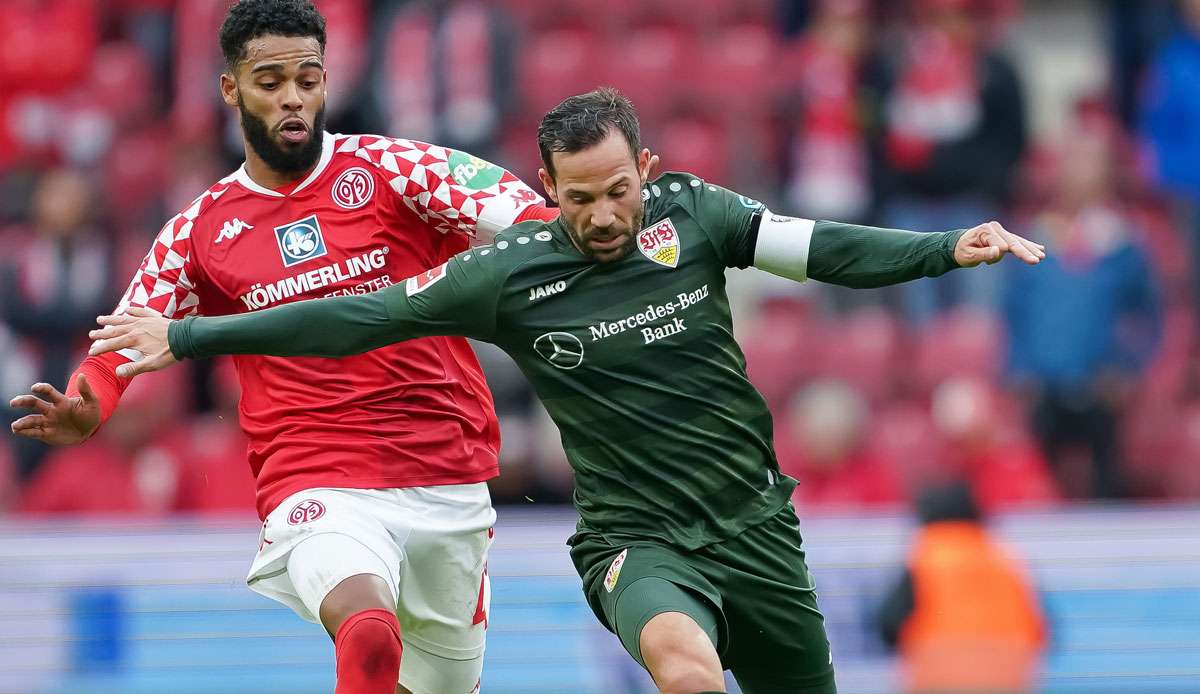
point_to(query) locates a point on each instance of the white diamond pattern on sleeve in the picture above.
(161, 283)
(421, 174)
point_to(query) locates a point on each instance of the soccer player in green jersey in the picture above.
(687, 544)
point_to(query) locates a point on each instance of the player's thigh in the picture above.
(627, 586)
(315, 540)
(777, 638)
(444, 590)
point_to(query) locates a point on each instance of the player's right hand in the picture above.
(138, 329)
(57, 419)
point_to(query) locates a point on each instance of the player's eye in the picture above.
(268, 85)
(619, 192)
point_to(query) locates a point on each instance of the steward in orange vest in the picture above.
(965, 616)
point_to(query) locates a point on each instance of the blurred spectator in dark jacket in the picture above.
(823, 443)
(1084, 325)
(58, 281)
(1170, 112)
(964, 615)
(949, 133)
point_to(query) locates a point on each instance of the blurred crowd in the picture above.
(1072, 380)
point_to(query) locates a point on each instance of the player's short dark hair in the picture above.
(583, 120)
(250, 19)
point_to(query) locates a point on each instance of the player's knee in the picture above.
(353, 595)
(685, 675)
(368, 646)
(680, 656)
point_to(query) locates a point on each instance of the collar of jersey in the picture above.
(327, 147)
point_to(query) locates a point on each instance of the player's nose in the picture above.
(291, 97)
(603, 217)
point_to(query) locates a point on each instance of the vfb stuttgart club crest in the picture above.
(306, 511)
(300, 240)
(660, 243)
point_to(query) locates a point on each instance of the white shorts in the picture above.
(429, 544)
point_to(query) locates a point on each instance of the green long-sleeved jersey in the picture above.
(634, 359)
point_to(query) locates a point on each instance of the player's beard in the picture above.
(583, 237)
(285, 158)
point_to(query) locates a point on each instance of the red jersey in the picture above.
(374, 211)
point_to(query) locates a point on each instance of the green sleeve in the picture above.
(456, 298)
(727, 217)
(861, 256)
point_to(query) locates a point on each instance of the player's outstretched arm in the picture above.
(861, 256)
(335, 327)
(58, 419)
(445, 300)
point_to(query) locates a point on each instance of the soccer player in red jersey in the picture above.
(370, 470)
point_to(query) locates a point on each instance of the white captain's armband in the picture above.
(782, 245)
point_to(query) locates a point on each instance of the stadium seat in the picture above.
(646, 63)
(1167, 372)
(1183, 475)
(864, 351)
(905, 431)
(122, 83)
(695, 144)
(781, 347)
(959, 343)
(557, 63)
(738, 64)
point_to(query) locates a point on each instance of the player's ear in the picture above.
(229, 89)
(548, 183)
(647, 165)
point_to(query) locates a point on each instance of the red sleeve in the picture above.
(101, 373)
(538, 211)
(162, 283)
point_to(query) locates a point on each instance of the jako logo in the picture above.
(563, 350)
(305, 512)
(300, 241)
(547, 290)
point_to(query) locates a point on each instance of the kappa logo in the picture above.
(306, 511)
(660, 243)
(353, 188)
(614, 571)
(562, 350)
(300, 240)
(546, 290)
(419, 283)
(231, 229)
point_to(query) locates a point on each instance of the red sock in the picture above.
(368, 653)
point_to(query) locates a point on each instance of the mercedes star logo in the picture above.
(563, 350)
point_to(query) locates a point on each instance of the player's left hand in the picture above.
(140, 329)
(989, 242)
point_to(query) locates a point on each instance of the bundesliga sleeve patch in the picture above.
(419, 283)
(614, 571)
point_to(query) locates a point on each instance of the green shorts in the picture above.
(752, 593)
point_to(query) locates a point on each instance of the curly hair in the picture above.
(250, 19)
